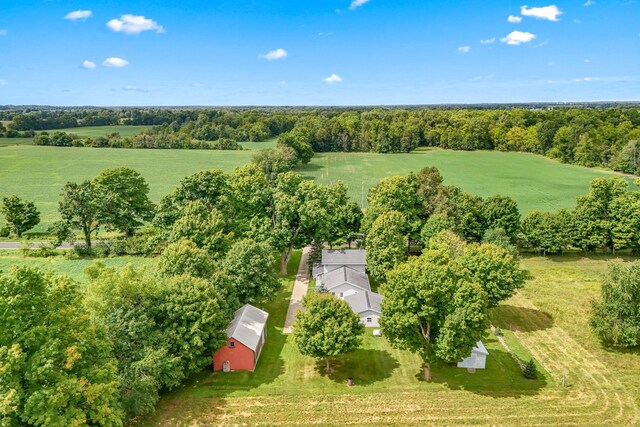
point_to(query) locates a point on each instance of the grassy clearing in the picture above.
(15, 141)
(38, 173)
(289, 389)
(270, 143)
(95, 131)
(74, 268)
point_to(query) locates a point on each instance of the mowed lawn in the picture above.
(39, 173)
(297, 387)
(290, 389)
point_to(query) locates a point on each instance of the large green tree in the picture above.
(79, 209)
(249, 268)
(20, 215)
(185, 257)
(395, 193)
(501, 212)
(123, 197)
(616, 315)
(56, 365)
(431, 309)
(301, 211)
(386, 244)
(123, 302)
(326, 328)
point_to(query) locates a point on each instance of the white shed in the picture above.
(477, 360)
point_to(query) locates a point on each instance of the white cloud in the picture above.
(3, 32)
(281, 83)
(488, 41)
(325, 34)
(549, 13)
(3, 82)
(515, 38)
(89, 65)
(78, 14)
(333, 78)
(132, 24)
(115, 62)
(275, 54)
(586, 79)
(589, 3)
(514, 19)
(464, 49)
(357, 3)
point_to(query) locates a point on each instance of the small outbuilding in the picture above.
(247, 334)
(477, 360)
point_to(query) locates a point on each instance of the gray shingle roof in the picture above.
(364, 301)
(344, 275)
(344, 257)
(247, 325)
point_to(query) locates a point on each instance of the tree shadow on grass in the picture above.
(502, 377)
(365, 367)
(520, 319)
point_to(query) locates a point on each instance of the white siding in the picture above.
(375, 319)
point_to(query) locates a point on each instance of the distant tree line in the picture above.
(607, 137)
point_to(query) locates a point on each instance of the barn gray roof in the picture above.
(345, 275)
(247, 325)
(364, 301)
(344, 257)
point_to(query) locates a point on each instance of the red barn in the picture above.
(247, 333)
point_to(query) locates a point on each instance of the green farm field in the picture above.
(548, 320)
(88, 131)
(95, 131)
(73, 268)
(535, 182)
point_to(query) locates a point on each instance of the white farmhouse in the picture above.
(343, 281)
(477, 360)
(366, 305)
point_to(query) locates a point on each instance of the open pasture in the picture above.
(96, 131)
(290, 389)
(38, 173)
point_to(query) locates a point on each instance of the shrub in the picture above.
(530, 370)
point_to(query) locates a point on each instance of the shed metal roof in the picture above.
(343, 275)
(248, 325)
(344, 257)
(364, 301)
(480, 348)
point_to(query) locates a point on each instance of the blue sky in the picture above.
(329, 52)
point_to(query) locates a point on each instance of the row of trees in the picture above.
(146, 139)
(607, 218)
(591, 137)
(415, 207)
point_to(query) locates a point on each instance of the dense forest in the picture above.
(607, 137)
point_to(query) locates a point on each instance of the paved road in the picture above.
(300, 287)
(35, 245)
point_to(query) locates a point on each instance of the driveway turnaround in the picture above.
(300, 287)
